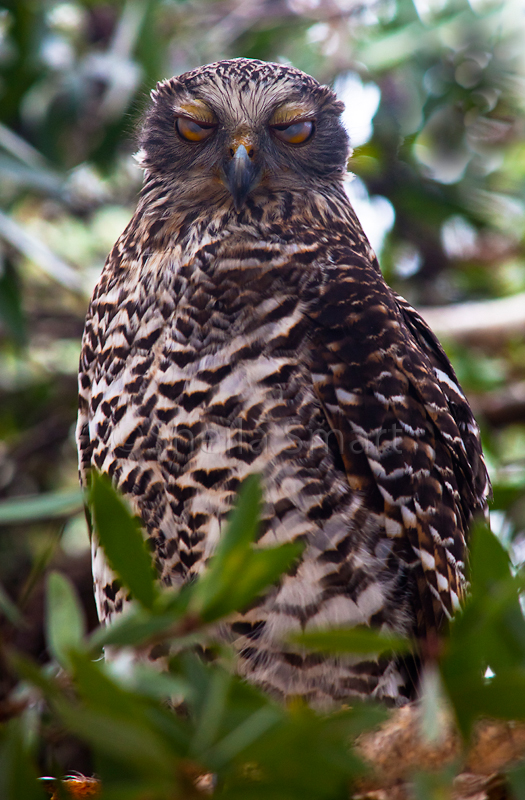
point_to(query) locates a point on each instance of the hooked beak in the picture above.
(242, 175)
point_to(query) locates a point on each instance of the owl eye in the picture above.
(296, 133)
(192, 131)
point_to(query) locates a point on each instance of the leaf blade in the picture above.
(121, 537)
(53, 505)
(65, 623)
(352, 640)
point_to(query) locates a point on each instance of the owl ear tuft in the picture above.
(165, 87)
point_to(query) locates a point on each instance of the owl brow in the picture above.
(288, 115)
(198, 111)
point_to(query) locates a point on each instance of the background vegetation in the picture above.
(435, 95)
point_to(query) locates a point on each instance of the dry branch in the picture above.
(502, 406)
(487, 322)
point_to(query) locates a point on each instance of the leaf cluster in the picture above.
(152, 734)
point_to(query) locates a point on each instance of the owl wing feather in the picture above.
(475, 486)
(406, 434)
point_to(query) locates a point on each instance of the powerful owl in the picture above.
(242, 325)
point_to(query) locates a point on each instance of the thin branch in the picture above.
(38, 252)
(20, 149)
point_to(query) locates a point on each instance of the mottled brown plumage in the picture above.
(241, 324)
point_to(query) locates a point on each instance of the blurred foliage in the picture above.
(139, 746)
(435, 95)
(151, 734)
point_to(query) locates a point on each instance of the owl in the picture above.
(241, 325)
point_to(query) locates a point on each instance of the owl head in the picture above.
(241, 130)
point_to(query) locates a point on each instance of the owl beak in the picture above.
(242, 175)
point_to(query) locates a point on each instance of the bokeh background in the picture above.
(435, 100)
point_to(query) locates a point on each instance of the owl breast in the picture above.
(207, 384)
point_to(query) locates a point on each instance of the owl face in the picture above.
(237, 131)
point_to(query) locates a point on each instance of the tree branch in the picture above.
(502, 406)
(487, 322)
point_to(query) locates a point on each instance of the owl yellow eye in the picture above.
(192, 131)
(296, 133)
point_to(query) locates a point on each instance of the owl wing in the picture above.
(475, 487)
(406, 434)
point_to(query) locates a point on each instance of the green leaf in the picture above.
(121, 537)
(242, 580)
(148, 681)
(53, 505)
(35, 675)
(101, 691)
(495, 598)
(128, 741)
(18, 776)
(132, 629)
(238, 573)
(489, 561)
(352, 640)
(11, 312)
(65, 623)
(504, 495)
(121, 723)
(488, 632)
(212, 711)
(499, 697)
(245, 734)
(243, 521)
(168, 618)
(107, 690)
(10, 610)
(503, 696)
(516, 778)
(303, 754)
